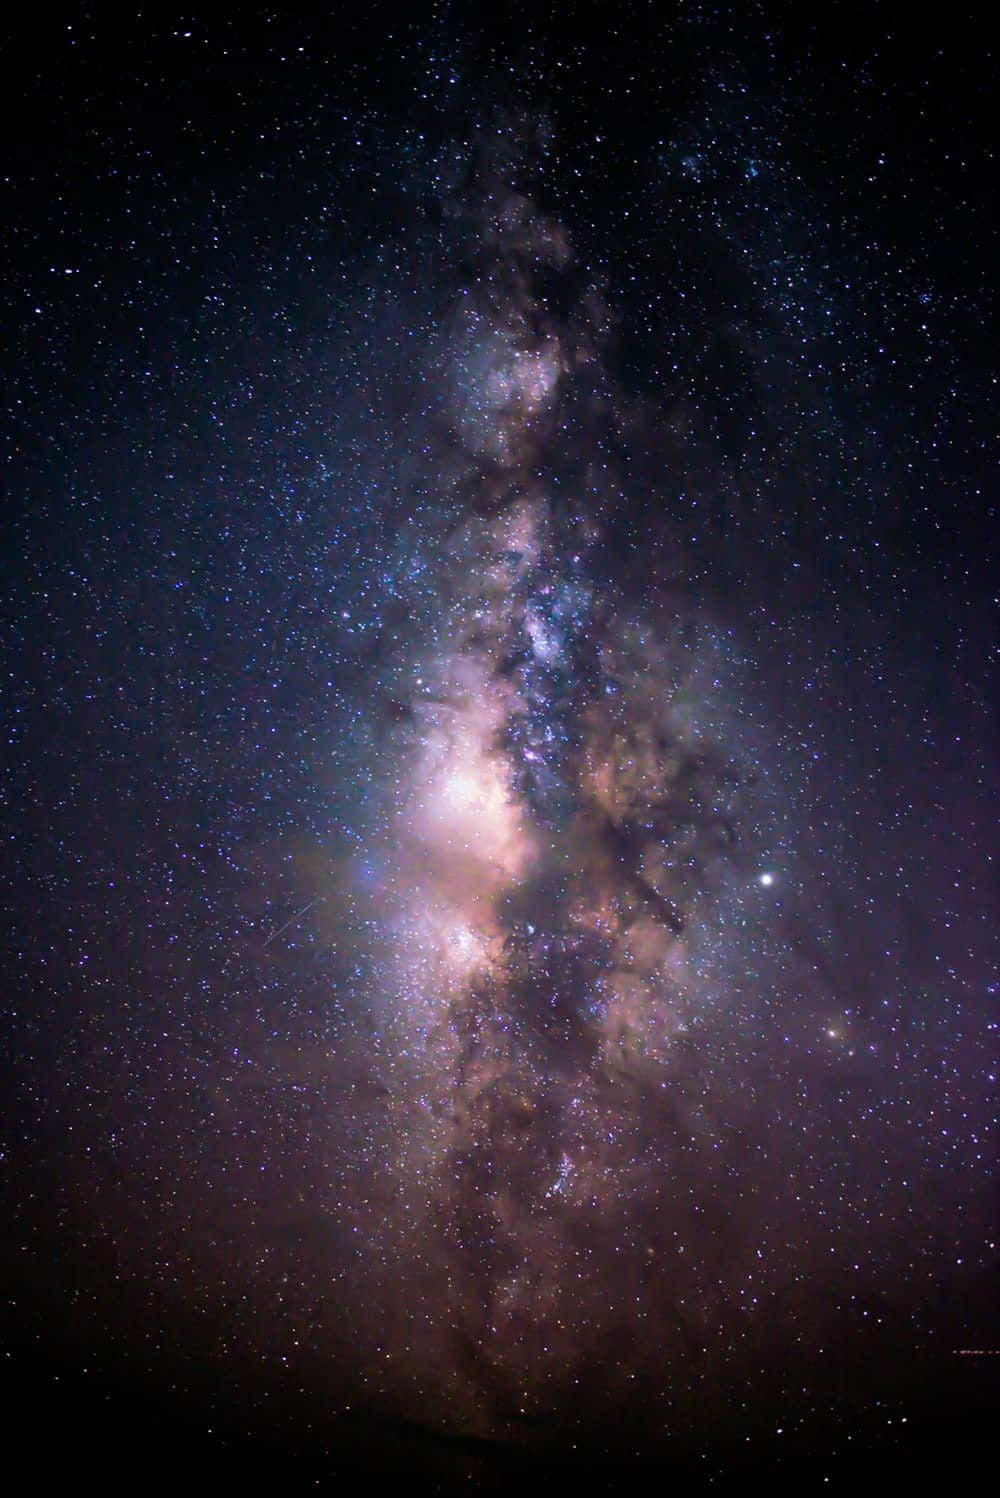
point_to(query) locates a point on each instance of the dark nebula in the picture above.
(500, 961)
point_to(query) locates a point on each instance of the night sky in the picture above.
(499, 747)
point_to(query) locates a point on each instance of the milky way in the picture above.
(555, 861)
(498, 924)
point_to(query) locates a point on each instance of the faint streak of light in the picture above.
(292, 919)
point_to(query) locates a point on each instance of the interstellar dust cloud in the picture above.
(569, 831)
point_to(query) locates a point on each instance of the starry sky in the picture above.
(499, 731)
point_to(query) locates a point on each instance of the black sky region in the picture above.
(499, 776)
